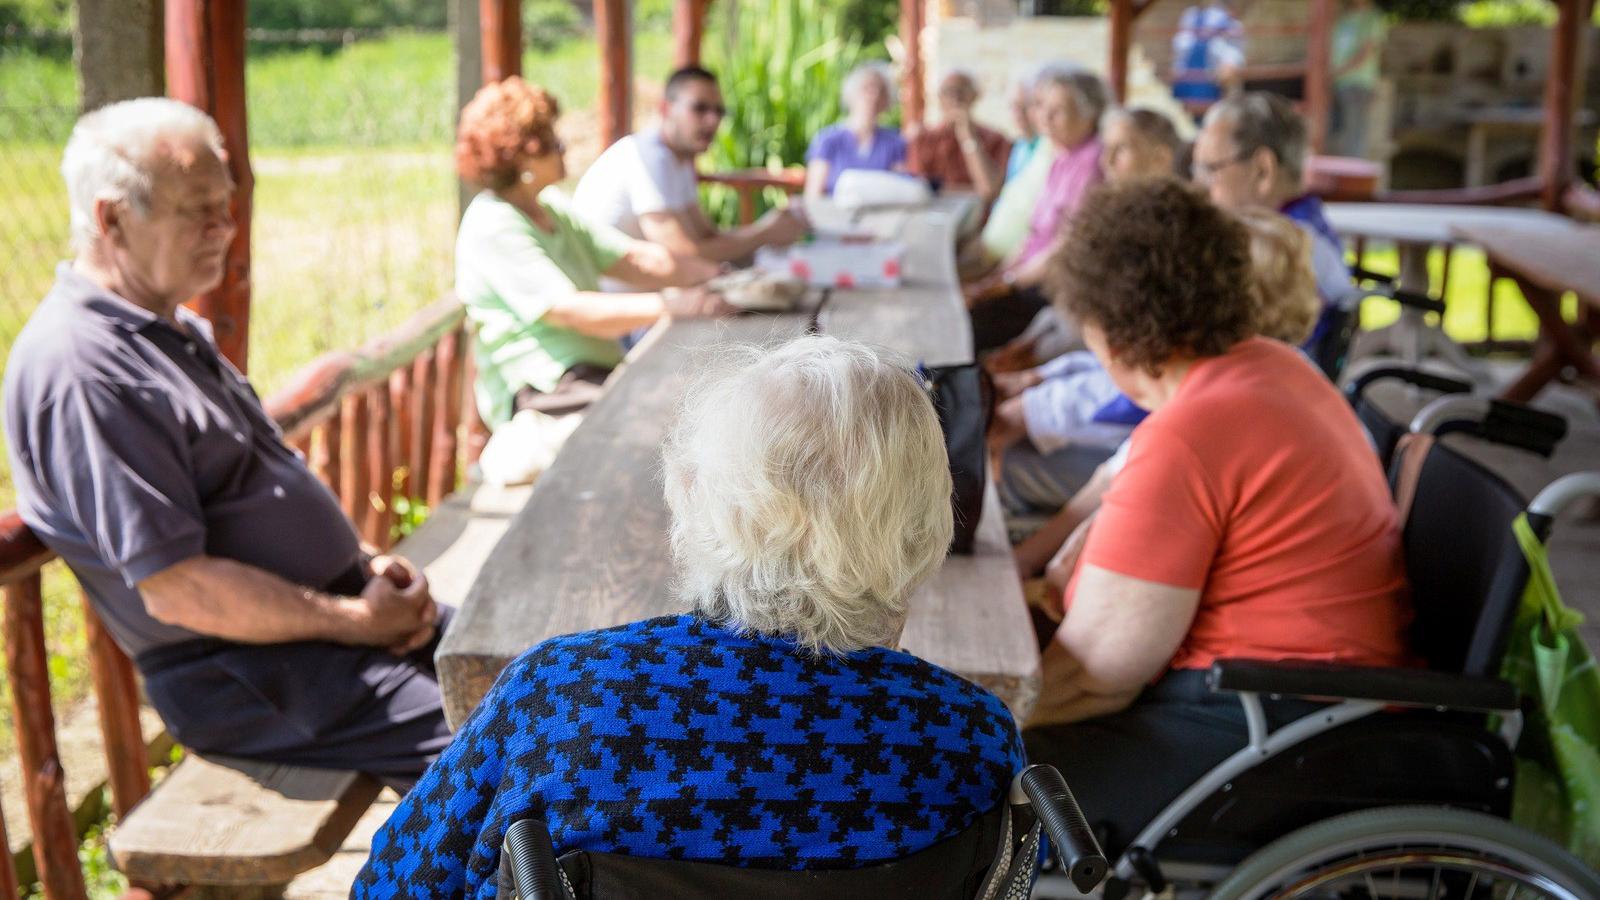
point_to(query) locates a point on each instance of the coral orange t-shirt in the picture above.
(1257, 485)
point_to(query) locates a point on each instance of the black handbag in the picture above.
(964, 398)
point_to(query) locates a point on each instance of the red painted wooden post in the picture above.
(477, 429)
(352, 464)
(1319, 74)
(325, 456)
(500, 30)
(615, 102)
(688, 31)
(911, 80)
(1560, 97)
(380, 467)
(423, 376)
(1121, 38)
(446, 417)
(400, 430)
(205, 51)
(118, 702)
(55, 841)
(8, 868)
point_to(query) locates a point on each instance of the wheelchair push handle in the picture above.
(1058, 812)
(531, 857)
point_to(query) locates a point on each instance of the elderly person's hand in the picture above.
(695, 303)
(1008, 384)
(1008, 426)
(781, 227)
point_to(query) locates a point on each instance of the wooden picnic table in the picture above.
(1548, 261)
(1415, 229)
(589, 550)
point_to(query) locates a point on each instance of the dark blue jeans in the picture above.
(307, 703)
(1126, 767)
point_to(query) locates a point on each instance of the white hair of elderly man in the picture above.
(113, 152)
(810, 492)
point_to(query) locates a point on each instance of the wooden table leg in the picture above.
(1559, 345)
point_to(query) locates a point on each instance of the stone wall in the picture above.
(998, 55)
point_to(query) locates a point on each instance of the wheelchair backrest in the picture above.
(1467, 573)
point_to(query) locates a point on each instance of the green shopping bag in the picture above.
(1557, 792)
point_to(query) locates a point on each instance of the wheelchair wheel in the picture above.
(1411, 852)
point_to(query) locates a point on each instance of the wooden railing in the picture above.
(749, 183)
(376, 424)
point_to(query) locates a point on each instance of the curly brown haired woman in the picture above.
(1250, 520)
(528, 267)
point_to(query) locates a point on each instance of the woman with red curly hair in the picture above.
(528, 267)
(1250, 521)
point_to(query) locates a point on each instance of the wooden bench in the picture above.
(239, 828)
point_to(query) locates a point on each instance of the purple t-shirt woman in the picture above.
(836, 145)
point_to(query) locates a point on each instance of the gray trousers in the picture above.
(1032, 482)
(1352, 107)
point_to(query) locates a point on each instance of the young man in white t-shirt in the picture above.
(645, 186)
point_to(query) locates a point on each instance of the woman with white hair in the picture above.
(1070, 104)
(859, 142)
(774, 725)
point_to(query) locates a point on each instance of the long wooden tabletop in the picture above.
(589, 549)
(1418, 223)
(1564, 258)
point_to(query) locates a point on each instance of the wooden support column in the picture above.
(500, 27)
(1319, 72)
(912, 81)
(615, 102)
(688, 31)
(1121, 39)
(117, 694)
(55, 841)
(116, 46)
(1560, 102)
(205, 68)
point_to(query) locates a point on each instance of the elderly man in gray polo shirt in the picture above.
(143, 458)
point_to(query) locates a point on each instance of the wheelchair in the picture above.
(995, 859)
(1340, 322)
(1401, 786)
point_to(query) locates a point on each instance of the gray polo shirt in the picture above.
(136, 446)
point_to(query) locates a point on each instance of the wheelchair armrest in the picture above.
(1416, 377)
(1393, 686)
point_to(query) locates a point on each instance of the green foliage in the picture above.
(1508, 12)
(295, 14)
(409, 514)
(870, 23)
(781, 65)
(547, 24)
(1073, 7)
(100, 878)
(36, 15)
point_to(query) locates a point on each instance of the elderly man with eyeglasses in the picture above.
(1250, 154)
(144, 459)
(645, 184)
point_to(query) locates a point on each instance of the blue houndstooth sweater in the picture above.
(676, 738)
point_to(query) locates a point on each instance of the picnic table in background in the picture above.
(1415, 229)
(1548, 261)
(589, 550)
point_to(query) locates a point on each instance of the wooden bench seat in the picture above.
(232, 822)
(238, 828)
